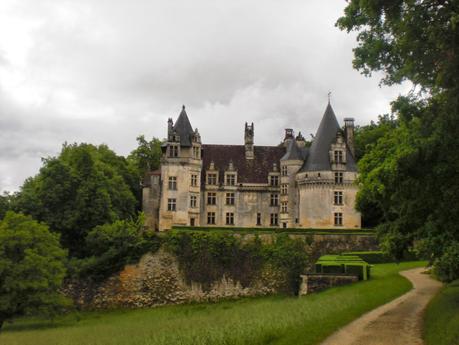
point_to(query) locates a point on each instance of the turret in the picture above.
(349, 134)
(248, 141)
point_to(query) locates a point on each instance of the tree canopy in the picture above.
(83, 187)
(410, 174)
(31, 268)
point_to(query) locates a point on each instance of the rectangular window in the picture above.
(171, 204)
(338, 156)
(230, 198)
(211, 198)
(274, 200)
(284, 206)
(210, 217)
(212, 179)
(338, 177)
(284, 188)
(338, 198)
(193, 201)
(194, 180)
(274, 219)
(172, 183)
(173, 151)
(258, 218)
(229, 218)
(274, 181)
(284, 171)
(338, 219)
(230, 179)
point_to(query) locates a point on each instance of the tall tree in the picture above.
(31, 268)
(411, 173)
(146, 157)
(83, 187)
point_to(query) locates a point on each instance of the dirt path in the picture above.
(395, 323)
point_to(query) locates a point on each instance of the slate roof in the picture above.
(183, 128)
(248, 170)
(318, 158)
(293, 152)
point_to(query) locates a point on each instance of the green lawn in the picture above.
(441, 320)
(266, 320)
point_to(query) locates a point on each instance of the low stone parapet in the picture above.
(314, 282)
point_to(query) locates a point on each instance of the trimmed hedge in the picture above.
(336, 231)
(372, 257)
(343, 264)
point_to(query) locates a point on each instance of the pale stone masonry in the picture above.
(289, 185)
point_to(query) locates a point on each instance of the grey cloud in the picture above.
(107, 71)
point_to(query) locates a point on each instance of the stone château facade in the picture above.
(291, 185)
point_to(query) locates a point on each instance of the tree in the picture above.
(146, 157)
(112, 246)
(31, 268)
(411, 172)
(83, 187)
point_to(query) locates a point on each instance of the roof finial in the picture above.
(183, 107)
(329, 96)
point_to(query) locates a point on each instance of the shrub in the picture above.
(372, 257)
(112, 246)
(206, 257)
(446, 267)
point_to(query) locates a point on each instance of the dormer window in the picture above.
(274, 181)
(230, 179)
(173, 151)
(212, 179)
(338, 155)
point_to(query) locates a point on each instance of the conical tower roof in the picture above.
(318, 159)
(183, 128)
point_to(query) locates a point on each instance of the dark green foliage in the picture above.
(205, 257)
(31, 268)
(146, 157)
(83, 187)
(255, 230)
(409, 177)
(5, 204)
(372, 257)
(111, 246)
(446, 267)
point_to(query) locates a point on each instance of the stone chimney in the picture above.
(300, 141)
(349, 134)
(288, 136)
(170, 125)
(248, 141)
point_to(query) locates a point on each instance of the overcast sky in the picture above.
(106, 71)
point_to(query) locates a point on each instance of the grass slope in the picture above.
(441, 320)
(266, 320)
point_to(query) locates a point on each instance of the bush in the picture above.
(446, 267)
(372, 257)
(112, 246)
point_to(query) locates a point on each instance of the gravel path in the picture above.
(396, 323)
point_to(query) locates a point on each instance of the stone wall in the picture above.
(311, 283)
(156, 280)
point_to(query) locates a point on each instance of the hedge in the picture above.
(343, 264)
(372, 257)
(336, 231)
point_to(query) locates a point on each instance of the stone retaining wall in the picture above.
(317, 282)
